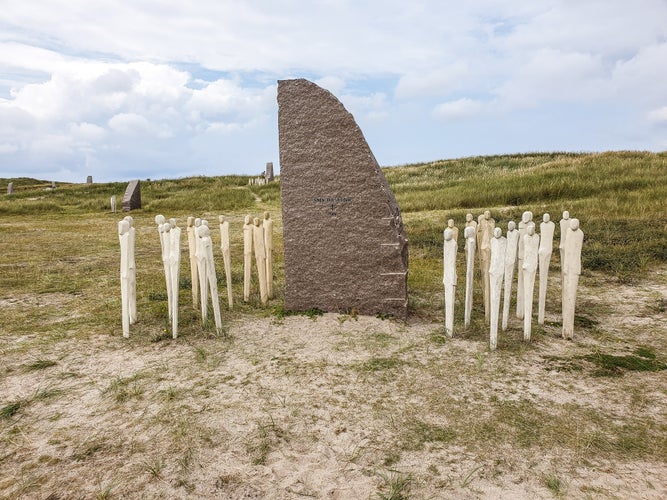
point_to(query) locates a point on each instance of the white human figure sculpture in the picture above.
(174, 250)
(470, 234)
(247, 257)
(210, 279)
(564, 229)
(449, 279)
(531, 244)
(496, 272)
(455, 230)
(201, 269)
(124, 237)
(268, 248)
(113, 203)
(510, 262)
(225, 247)
(484, 234)
(573, 244)
(470, 222)
(523, 223)
(260, 258)
(133, 270)
(162, 226)
(194, 274)
(544, 255)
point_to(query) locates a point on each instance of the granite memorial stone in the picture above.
(344, 240)
(132, 196)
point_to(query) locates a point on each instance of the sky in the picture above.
(157, 89)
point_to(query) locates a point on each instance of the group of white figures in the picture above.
(498, 256)
(257, 237)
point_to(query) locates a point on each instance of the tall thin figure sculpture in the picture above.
(194, 274)
(484, 233)
(247, 257)
(268, 248)
(260, 259)
(510, 262)
(573, 245)
(531, 244)
(211, 281)
(449, 279)
(175, 270)
(544, 254)
(225, 247)
(470, 234)
(523, 224)
(124, 238)
(496, 273)
(133, 271)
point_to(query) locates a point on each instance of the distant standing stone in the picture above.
(344, 240)
(10, 188)
(132, 196)
(268, 173)
(89, 179)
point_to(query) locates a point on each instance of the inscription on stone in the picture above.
(345, 245)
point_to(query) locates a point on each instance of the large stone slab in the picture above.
(344, 240)
(132, 196)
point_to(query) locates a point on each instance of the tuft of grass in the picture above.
(281, 313)
(395, 485)
(554, 483)
(614, 366)
(378, 364)
(11, 409)
(414, 433)
(40, 364)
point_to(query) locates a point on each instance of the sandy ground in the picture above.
(338, 407)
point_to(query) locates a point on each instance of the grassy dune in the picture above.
(285, 406)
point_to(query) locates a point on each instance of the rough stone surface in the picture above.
(132, 196)
(344, 240)
(268, 173)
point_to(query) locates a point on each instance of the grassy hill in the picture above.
(618, 197)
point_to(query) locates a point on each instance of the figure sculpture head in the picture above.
(221, 218)
(530, 229)
(566, 214)
(123, 227)
(255, 221)
(266, 215)
(247, 219)
(450, 223)
(546, 218)
(172, 223)
(129, 219)
(574, 224)
(531, 224)
(525, 217)
(197, 222)
(159, 219)
(204, 222)
(166, 227)
(487, 214)
(511, 225)
(191, 221)
(497, 232)
(204, 231)
(468, 217)
(449, 234)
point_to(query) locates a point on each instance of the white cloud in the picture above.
(658, 115)
(458, 109)
(436, 82)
